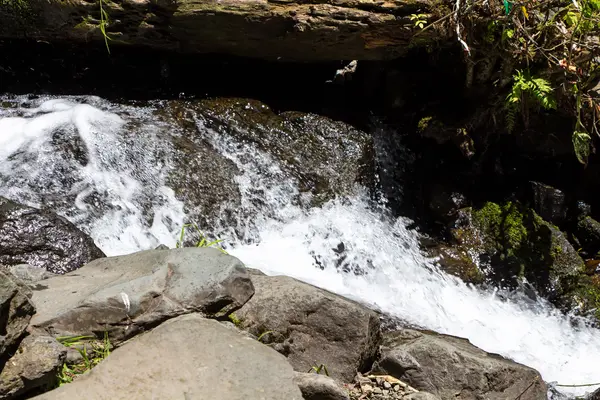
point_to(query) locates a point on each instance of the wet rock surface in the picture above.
(327, 157)
(42, 239)
(513, 242)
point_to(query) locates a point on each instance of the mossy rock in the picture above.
(514, 242)
(586, 298)
(457, 262)
(588, 234)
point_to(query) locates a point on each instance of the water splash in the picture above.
(84, 161)
(112, 186)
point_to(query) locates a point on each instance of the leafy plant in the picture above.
(103, 24)
(202, 242)
(525, 90)
(89, 359)
(262, 335)
(318, 368)
(419, 19)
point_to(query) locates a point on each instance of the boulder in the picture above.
(17, 309)
(513, 242)
(319, 387)
(452, 368)
(327, 157)
(34, 365)
(290, 30)
(588, 233)
(311, 326)
(202, 178)
(42, 239)
(187, 357)
(128, 294)
(549, 203)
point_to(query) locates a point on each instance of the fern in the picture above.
(525, 86)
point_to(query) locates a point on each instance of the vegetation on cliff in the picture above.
(544, 54)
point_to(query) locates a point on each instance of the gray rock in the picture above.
(452, 368)
(17, 310)
(311, 325)
(188, 357)
(319, 387)
(29, 274)
(42, 239)
(33, 366)
(421, 396)
(125, 295)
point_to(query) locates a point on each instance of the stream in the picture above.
(104, 166)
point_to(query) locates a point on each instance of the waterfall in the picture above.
(104, 167)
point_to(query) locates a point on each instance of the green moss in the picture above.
(235, 320)
(424, 123)
(502, 223)
(588, 296)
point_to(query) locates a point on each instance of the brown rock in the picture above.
(289, 30)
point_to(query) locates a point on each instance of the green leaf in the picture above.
(581, 145)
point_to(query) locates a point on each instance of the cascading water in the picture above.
(112, 185)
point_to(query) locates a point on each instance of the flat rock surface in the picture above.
(188, 357)
(127, 294)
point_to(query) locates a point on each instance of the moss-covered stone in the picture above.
(586, 297)
(457, 262)
(514, 242)
(588, 233)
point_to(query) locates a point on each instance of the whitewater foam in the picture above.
(118, 196)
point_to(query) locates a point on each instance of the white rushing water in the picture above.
(114, 190)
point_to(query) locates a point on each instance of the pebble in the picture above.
(383, 387)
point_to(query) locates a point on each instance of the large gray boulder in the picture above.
(128, 294)
(42, 239)
(188, 357)
(17, 309)
(311, 326)
(34, 365)
(452, 368)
